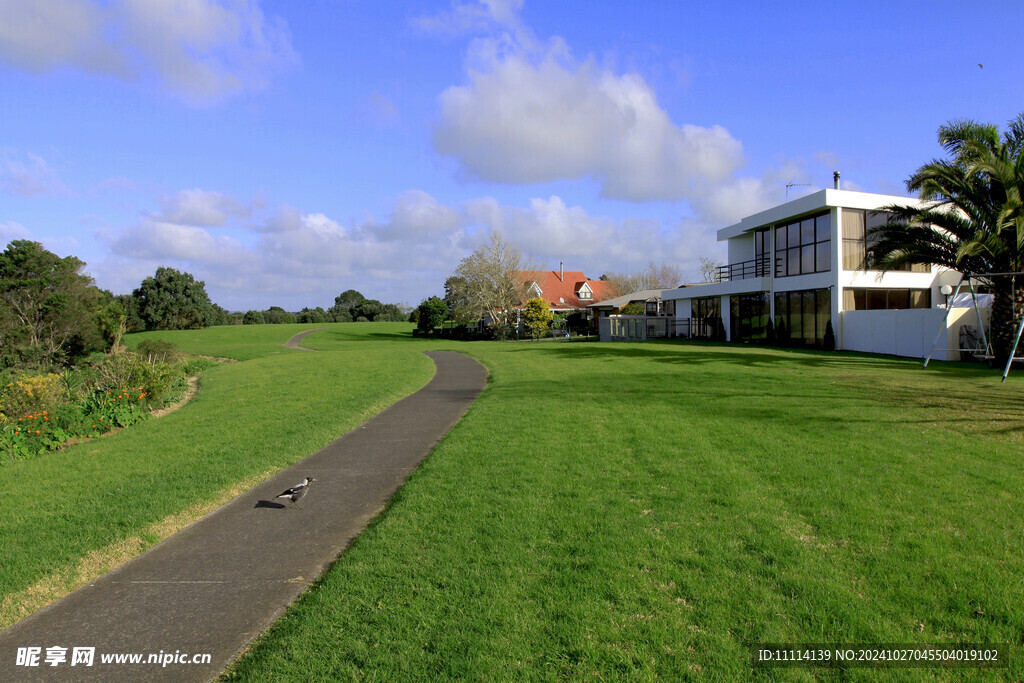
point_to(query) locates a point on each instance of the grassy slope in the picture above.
(249, 418)
(650, 510)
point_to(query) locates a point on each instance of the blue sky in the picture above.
(286, 151)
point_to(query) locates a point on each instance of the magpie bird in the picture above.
(295, 493)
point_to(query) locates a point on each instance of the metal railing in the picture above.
(758, 267)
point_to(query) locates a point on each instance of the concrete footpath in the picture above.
(217, 584)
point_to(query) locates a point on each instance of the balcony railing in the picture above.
(759, 267)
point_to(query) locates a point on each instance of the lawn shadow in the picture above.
(684, 351)
(268, 504)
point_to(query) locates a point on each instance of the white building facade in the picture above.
(801, 265)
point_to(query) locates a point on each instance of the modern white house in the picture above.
(802, 265)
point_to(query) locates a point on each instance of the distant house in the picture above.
(566, 291)
(656, 319)
(650, 299)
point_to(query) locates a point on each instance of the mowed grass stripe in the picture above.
(651, 510)
(249, 418)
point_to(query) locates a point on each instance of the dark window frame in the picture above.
(811, 308)
(799, 249)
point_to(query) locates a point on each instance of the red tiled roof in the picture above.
(561, 292)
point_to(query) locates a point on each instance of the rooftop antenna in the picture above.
(789, 185)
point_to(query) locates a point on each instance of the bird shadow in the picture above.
(268, 504)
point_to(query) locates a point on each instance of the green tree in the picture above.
(339, 315)
(367, 308)
(433, 312)
(48, 306)
(972, 219)
(349, 298)
(312, 315)
(113, 321)
(133, 321)
(391, 313)
(537, 316)
(632, 308)
(173, 300)
(460, 306)
(490, 284)
(253, 318)
(275, 315)
(216, 315)
(341, 311)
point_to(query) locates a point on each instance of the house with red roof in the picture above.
(565, 291)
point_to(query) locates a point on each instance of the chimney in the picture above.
(561, 275)
(835, 177)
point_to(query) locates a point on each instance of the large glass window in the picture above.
(859, 245)
(803, 246)
(749, 319)
(706, 316)
(801, 317)
(863, 299)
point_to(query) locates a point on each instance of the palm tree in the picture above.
(971, 219)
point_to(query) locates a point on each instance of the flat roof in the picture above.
(815, 201)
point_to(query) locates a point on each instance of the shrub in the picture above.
(157, 349)
(33, 393)
(829, 342)
(155, 378)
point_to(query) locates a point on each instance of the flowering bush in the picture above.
(42, 431)
(32, 393)
(41, 412)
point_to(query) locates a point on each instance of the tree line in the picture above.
(52, 313)
(349, 306)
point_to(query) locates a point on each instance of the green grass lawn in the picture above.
(651, 510)
(607, 511)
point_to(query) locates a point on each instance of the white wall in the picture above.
(741, 248)
(905, 332)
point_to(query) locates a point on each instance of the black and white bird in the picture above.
(295, 493)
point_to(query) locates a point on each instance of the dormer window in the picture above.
(585, 292)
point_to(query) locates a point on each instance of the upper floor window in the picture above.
(763, 243)
(585, 293)
(859, 245)
(803, 246)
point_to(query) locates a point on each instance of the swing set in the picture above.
(984, 352)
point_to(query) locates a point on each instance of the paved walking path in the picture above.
(219, 583)
(294, 342)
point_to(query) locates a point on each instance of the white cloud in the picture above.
(532, 117)
(550, 231)
(200, 50)
(31, 178)
(10, 231)
(416, 213)
(158, 240)
(473, 17)
(294, 259)
(201, 207)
